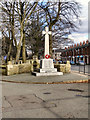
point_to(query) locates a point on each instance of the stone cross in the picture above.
(47, 33)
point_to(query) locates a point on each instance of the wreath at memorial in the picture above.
(47, 56)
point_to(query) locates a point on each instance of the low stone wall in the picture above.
(18, 68)
(65, 68)
(3, 69)
(68, 68)
(29, 66)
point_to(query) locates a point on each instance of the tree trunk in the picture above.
(50, 42)
(9, 52)
(23, 49)
(18, 53)
(19, 45)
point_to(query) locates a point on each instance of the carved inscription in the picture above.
(48, 64)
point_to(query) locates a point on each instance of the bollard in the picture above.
(84, 68)
(79, 68)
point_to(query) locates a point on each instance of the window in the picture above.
(81, 50)
(85, 50)
(78, 51)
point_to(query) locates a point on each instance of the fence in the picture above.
(85, 69)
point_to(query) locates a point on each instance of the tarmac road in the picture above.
(44, 100)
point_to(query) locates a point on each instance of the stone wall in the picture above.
(12, 68)
(65, 68)
(3, 69)
(18, 68)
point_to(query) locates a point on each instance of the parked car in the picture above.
(72, 62)
(64, 62)
(54, 61)
(81, 63)
(77, 63)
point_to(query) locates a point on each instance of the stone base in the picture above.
(46, 68)
(47, 74)
(46, 63)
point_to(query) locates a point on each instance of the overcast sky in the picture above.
(82, 34)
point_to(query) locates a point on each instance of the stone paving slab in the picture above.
(22, 102)
(49, 100)
(64, 100)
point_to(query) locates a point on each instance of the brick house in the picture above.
(76, 52)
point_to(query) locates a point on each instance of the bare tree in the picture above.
(18, 13)
(34, 38)
(8, 24)
(24, 11)
(61, 17)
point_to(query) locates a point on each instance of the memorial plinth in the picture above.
(47, 68)
(46, 64)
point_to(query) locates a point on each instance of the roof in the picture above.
(77, 47)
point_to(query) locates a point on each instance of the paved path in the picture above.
(81, 68)
(45, 100)
(27, 77)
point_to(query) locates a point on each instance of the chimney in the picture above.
(80, 44)
(77, 44)
(87, 42)
(83, 42)
(74, 45)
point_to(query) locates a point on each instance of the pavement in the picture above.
(45, 100)
(27, 77)
(81, 68)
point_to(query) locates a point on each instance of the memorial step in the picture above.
(47, 74)
(45, 70)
